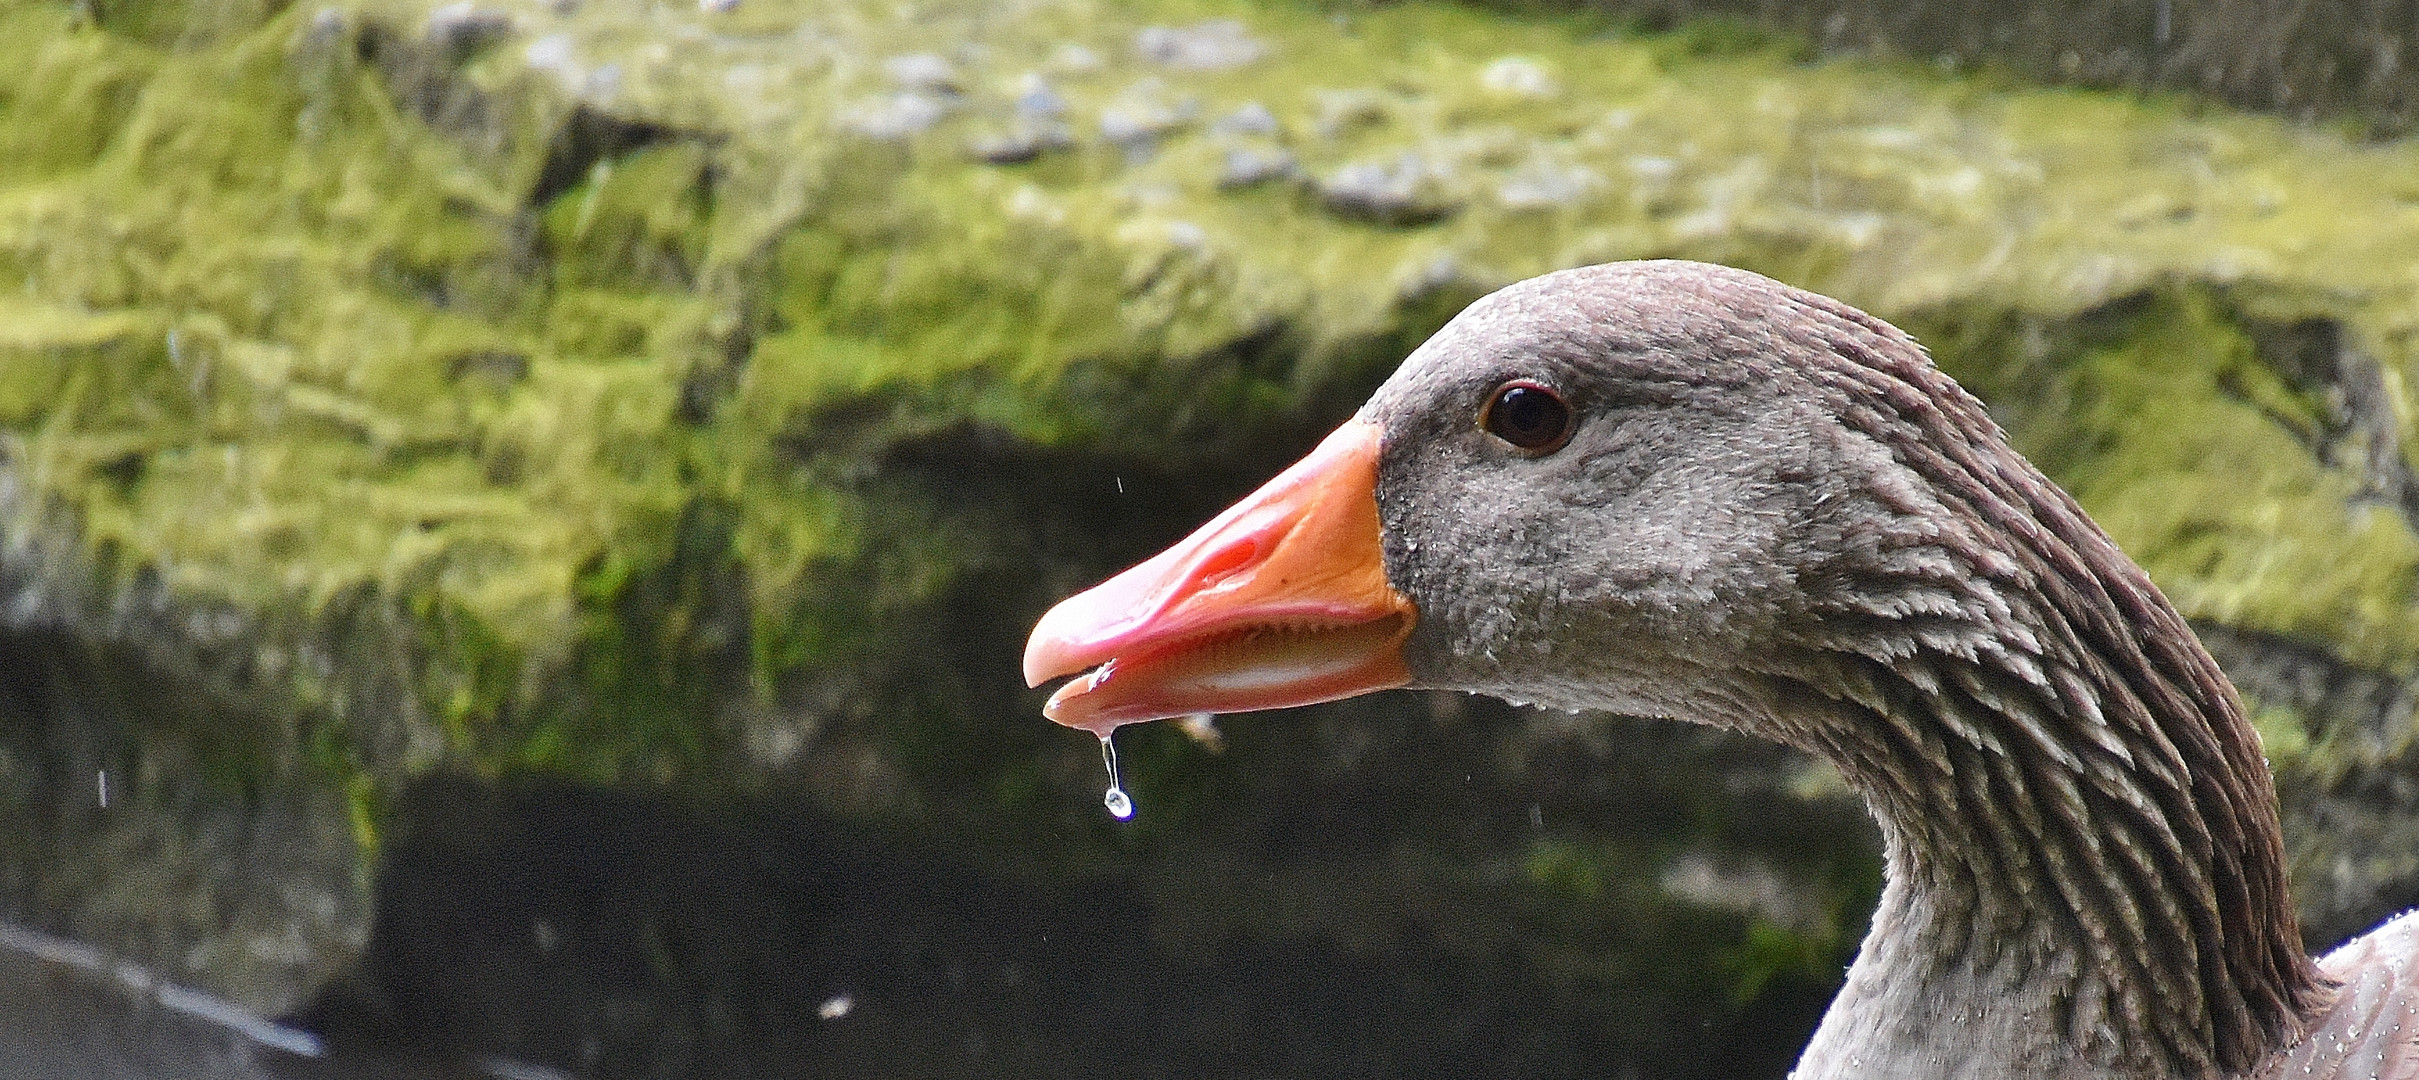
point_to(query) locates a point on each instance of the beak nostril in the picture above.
(1226, 562)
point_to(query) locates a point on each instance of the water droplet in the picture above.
(1121, 805)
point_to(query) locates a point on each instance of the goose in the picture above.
(1671, 489)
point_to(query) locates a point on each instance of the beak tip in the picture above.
(1051, 651)
(1039, 661)
(1071, 707)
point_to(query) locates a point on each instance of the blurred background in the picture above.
(518, 517)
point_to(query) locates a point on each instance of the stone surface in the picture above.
(2325, 59)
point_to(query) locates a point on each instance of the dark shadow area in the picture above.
(617, 935)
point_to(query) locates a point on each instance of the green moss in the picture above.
(2196, 457)
(639, 218)
(288, 320)
(1564, 867)
(64, 108)
(1771, 951)
(2283, 734)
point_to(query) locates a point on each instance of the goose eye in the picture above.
(1531, 417)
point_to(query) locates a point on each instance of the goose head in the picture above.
(1677, 490)
(1661, 489)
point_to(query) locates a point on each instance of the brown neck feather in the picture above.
(2050, 748)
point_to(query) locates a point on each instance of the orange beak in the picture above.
(1280, 601)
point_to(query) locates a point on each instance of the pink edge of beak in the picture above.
(1280, 601)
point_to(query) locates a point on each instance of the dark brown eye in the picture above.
(1531, 417)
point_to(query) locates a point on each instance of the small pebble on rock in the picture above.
(1073, 59)
(1440, 272)
(1216, 45)
(1138, 120)
(1405, 191)
(928, 72)
(1337, 113)
(891, 117)
(1149, 195)
(1252, 118)
(1148, 232)
(1248, 165)
(551, 54)
(1135, 129)
(1023, 141)
(1654, 170)
(1036, 99)
(1519, 77)
(1547, 186)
